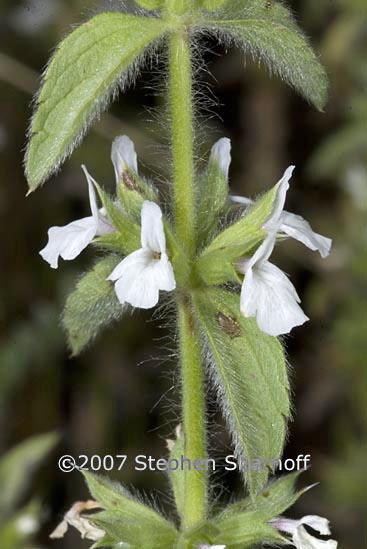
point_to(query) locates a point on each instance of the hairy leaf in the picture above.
(126, 519)
(92, 305)
(85, 71)
(249, 372)
(266, 31)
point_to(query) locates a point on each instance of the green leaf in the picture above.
(86, 70)
(267, 32)
(17, 466)
(126, 519)
(215, 265)
(211, 198)
(249, 372)
(92, 305)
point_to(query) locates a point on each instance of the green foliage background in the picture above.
(106, 400)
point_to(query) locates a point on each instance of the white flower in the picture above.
(267, 293)
(291, 224)
(123, 156)
(69, 241)
(221, 152)
(300, 537)
(74, 518)
(140, 276)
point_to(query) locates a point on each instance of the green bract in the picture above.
(215, 265)
(127, 519)
(211, 198)
(132, 190)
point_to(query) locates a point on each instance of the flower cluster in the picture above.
(266, 294)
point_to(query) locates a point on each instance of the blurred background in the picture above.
(120, 396)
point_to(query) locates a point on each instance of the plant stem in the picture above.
(193, 394)
(180, 93)
(193, 403)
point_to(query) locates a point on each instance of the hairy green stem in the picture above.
(180, 95)
(193, 395)
(193, 403)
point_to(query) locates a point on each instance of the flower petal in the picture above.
(74, 518)
(140, 276)
(123, 155)
(303, 540)
(320, 524)
(68, 241)
(283, 185)
(221, 152)
(268, 295)
(166, 278)
(103, 225)
(300, 229)
(241, 200)
(262, 254)
(152, 230)
(92, 194)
